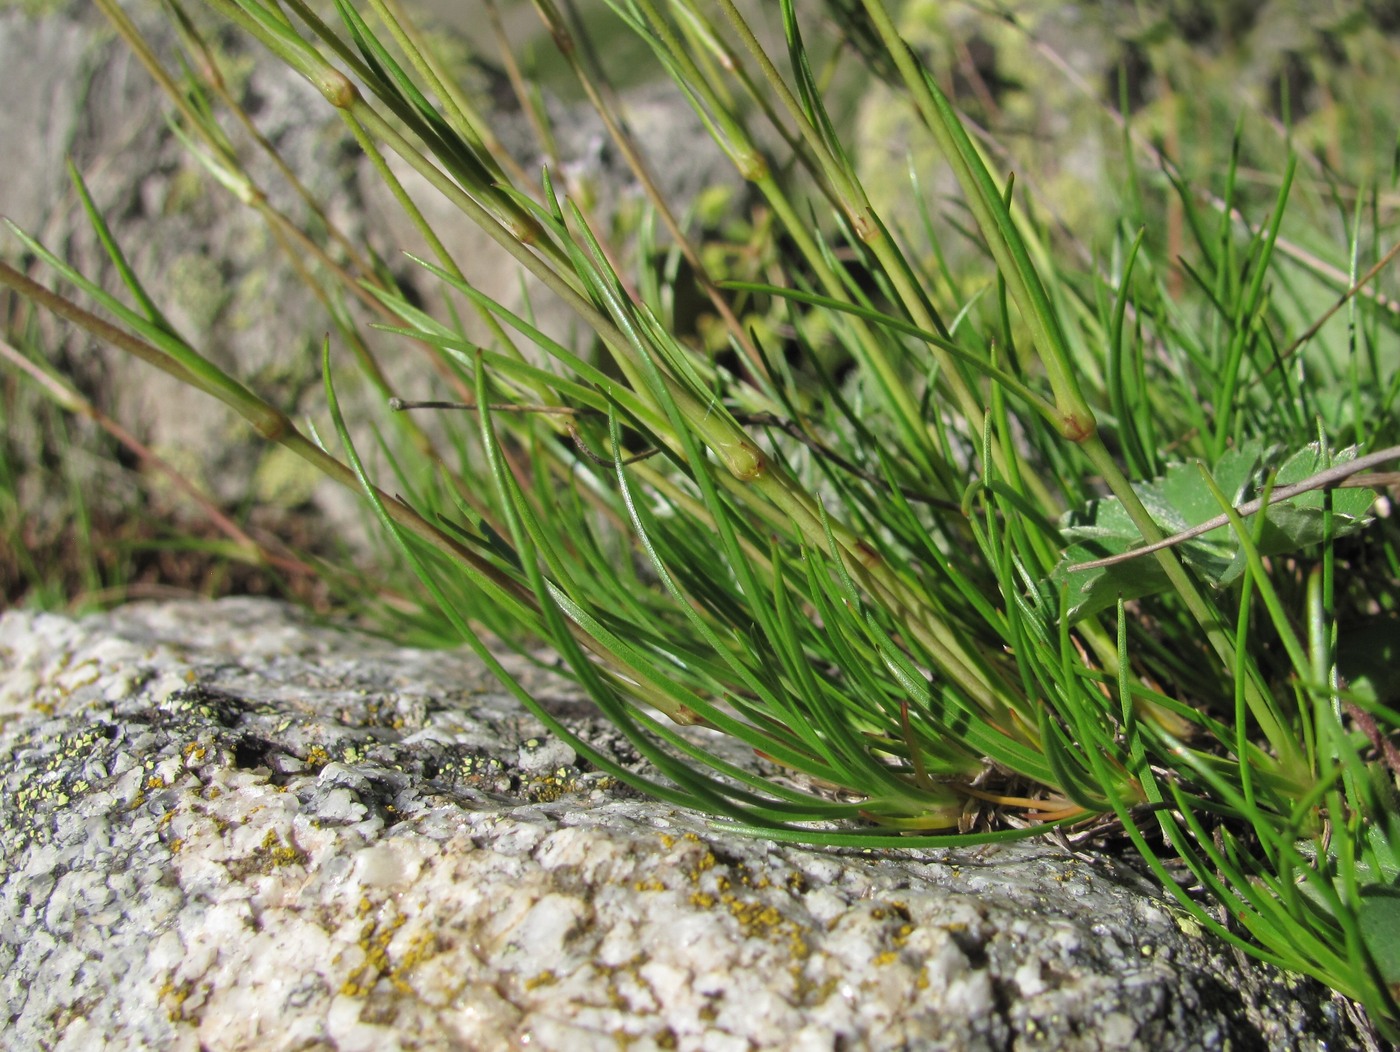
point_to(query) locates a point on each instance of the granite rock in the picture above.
(217, 272)
(228, 827)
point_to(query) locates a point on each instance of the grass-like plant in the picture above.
(963, 551)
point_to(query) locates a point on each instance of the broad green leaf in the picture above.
(1368, 655)
(1301, 521)
(1180, 500)
(1377, 862)
(1379, 917)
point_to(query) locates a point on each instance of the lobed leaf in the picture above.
(1179, 500)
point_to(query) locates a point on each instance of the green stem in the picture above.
(993, 218)
(1204, 613)
(735, 139)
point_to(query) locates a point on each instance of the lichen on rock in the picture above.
(229, 827)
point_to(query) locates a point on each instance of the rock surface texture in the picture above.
(225, 827)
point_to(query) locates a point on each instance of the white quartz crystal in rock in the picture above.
(226, 828)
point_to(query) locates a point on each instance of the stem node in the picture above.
(746, 462)
(1078, 427)
(339, 90)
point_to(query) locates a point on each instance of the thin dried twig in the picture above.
(70, 400)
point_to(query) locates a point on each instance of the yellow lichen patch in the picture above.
(374, 941)
(706, 862)
(544, 978)
(317, 757)
(195, 753)
(174, 996)
(352, 754)
(756, 918)
(379, 714)
(715, 884)
(552, 787)
(649, 885)
(815, 993)
(420, 948)
(374, 944)
(281, 854)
